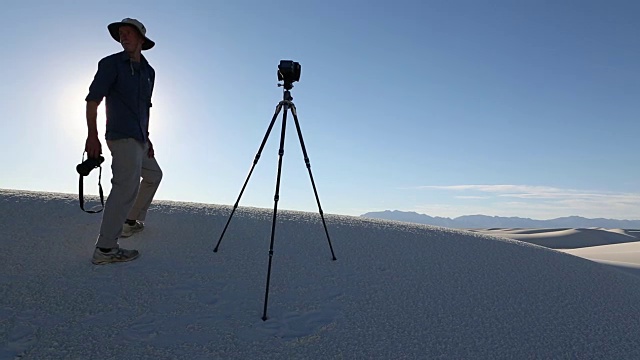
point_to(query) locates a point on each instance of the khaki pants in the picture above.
(129, 197)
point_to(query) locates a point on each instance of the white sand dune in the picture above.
(565, 238)
(628, 253)
(397, 291)
(625, 257)
(619, 248)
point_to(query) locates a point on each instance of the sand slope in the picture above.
(397, 291)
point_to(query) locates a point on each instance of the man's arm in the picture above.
(92, 145)
(151, 153)
(104, 78)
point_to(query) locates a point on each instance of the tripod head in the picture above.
(286, 94)
(287, 85)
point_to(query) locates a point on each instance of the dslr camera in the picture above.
(289, 72)
(86, 166)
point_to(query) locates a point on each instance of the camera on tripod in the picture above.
(289, 72)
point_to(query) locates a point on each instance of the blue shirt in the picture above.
(127, 86)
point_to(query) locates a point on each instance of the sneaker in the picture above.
(128, 230)
(115, 255)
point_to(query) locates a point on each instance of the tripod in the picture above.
(287, 104)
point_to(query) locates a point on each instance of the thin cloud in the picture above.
(501, 189)
(529, 192)
(540, 201)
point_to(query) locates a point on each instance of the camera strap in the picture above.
(81, 192)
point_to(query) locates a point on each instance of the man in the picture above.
(126, 81)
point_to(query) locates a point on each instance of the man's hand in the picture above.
(150, 153)
(93, 147)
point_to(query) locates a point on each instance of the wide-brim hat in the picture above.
(113, 30)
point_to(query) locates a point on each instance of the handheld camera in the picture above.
(86, 166)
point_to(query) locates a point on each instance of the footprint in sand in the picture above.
(207, 298)
(6, 314)
(292, 326)
(203, 293)
(143, 328)
(21, 337)
(297, 325)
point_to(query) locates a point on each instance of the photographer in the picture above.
(125, 80)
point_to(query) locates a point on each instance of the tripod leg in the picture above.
(313, 183)
(255, 161)
(275, 209)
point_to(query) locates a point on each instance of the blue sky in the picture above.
(449, 108)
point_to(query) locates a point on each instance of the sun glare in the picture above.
(70, 110)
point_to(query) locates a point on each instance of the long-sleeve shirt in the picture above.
(127, 86)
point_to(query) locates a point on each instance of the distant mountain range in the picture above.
(486, 222)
